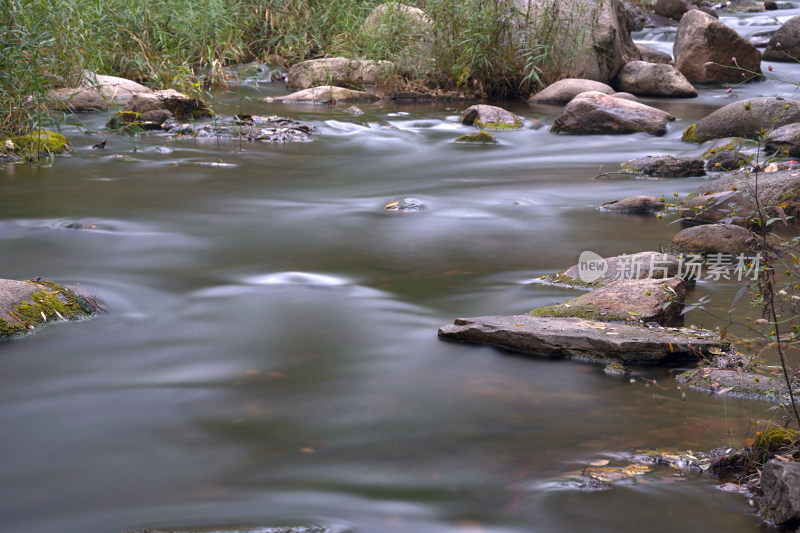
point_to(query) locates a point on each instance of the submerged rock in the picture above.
(251, 128)
(598, 113)
(326, 94)
(666, 166)
(585, 339)
(565, 90)
(749, 119)
(625, 300)
(479, 137)
(490, 117)
(405, 205)
(635, 205)
(25, 305)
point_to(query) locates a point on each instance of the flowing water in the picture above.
(270, 356)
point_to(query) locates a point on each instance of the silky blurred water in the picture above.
(269, 355)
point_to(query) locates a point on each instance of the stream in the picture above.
(269, 353)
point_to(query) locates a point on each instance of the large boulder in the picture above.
(337, 71)
(326, 94)
(94, 93)
(784, 44)
(625, 300)
(583, 339)
(490, 117)
(565, 90)
(651, 79)
(597, 113)
(750, 118)
(780, 482)
(605, 29)
(26, 305)
(594, 271)
(705, 47)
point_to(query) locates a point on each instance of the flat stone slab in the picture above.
(584, 339)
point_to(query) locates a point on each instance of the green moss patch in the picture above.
(688, 134)
(40, 143)
(499, 125)
(567, 309)
(52, 303)
(481, 137)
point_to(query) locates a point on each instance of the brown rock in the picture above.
(716, 238)
(744, 119)
(651, 79)
(565, 90)
(651, 55)
(598, 113)
(666, 166)
(490, 117)
(643, 265)
(728, 206)
(635, 204)
(704, 48)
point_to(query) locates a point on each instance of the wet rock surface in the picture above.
(774, 188)
(249, 127)
(784, 44)
(479, 137)
(326, 94)
(716, 238)
(780, 481)
(585, 339)
(490, 117)
(727, 206)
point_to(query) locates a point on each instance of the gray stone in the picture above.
(490, 117)
(744, 119)
(625, 300)
(652, 79)
(634, 205)
(576, 337)
(716, 238)
(780, 482)
(598, 113)
(641, 265)
(565, 90)
(114, 89)
(337, 71)
(784, 141)
(625, 96)
(76, 100)
(726, 160)
(405, 205)
(326, 94)
(704, 48)
(651, 55)
(666, 166)
(26, 305)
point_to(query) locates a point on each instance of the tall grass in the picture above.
(484, 47)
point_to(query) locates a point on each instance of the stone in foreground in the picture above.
(578, 338)
(651, 79)
(625, 300)
(565, 90)
(25, 305)
(780, 482)
(597, 113)
(744, 119)
(490, 117)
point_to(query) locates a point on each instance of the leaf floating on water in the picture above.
(599, 462)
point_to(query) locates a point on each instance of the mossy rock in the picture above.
(41, 143)
(480, 137)
(186, 108)
(49, 302)
(499, 125)
(773, 441)
(688, 135)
